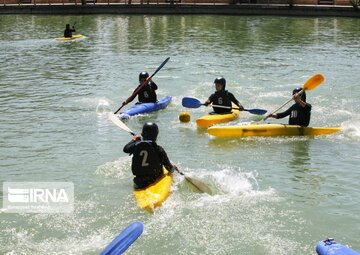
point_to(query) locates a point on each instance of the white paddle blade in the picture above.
(119, 123)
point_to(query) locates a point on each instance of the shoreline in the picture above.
(184, 9)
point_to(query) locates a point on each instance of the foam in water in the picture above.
(103, 106)
(351, 128)
(119, 169)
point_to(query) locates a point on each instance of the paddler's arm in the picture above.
(210, 100)
(165, 160)
(153, 85)
(132, 97)
(281, 114)
(129, 148)
(235, 101)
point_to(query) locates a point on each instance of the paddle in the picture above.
(191, 102)
(119, 123)
(141, 86)
(124, 239)
(199, 185)
(310, 84)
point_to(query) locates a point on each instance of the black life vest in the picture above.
(146, 161)
(221, 98)
(147, 94)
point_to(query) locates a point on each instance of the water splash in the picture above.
(119, 169)
(351, 128)
(103, 106)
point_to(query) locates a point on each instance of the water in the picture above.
(271, 195)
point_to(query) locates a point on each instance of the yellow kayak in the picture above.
(211, 119)
(70, 38)
(269, 130)
(155, 194)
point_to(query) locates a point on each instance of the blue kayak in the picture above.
(145, 108)
(120, 244)
(330, 247)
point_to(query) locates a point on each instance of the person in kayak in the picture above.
(149, 158)
(222, 97)
(147, 93)
(299, 113)
(68, 31)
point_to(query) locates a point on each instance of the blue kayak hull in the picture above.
(120, 244)
(145, 108)
(330, 247)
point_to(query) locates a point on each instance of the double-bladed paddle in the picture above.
(310, 84)
(191, 102)
(141, 86)
(120, 244)
(199, 185)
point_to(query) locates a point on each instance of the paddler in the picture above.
(68, 31)
(222, 97)
(299, 113)
(147, 93)
(149, 158)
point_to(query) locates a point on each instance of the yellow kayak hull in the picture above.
(70, 38)
(212, 119)
(270, 130)
(155, 194)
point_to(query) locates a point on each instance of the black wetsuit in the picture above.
(68, 32)
(147, 162)
(147, 94)
(224, 98)
(297, 115)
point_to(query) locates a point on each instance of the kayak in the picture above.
(269, 130)
(330, 247)
(145, 108)
(211, 119)
(155, 194)
(123, 241)
(70, 38)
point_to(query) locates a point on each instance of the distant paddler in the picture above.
(68, 31)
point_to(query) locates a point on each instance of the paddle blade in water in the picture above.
(124, 239)
(191, 102)
(313, 82)
(199, 185)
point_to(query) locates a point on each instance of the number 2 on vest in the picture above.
(145, 155)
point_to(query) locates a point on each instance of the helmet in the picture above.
(303, 95)
(220, 80)
(150, 131)
(143, 75)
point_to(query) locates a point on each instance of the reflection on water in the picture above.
(300, 153)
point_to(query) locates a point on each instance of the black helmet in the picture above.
(220, 80)
(143, 75)
(150, 131)
(303, 95)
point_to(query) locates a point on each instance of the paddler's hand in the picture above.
(136, 138)
(174, 168)
(241, 108)
(272, 115)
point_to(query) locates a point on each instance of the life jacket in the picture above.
(146, 161)
(221, 98)
(147, 94)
